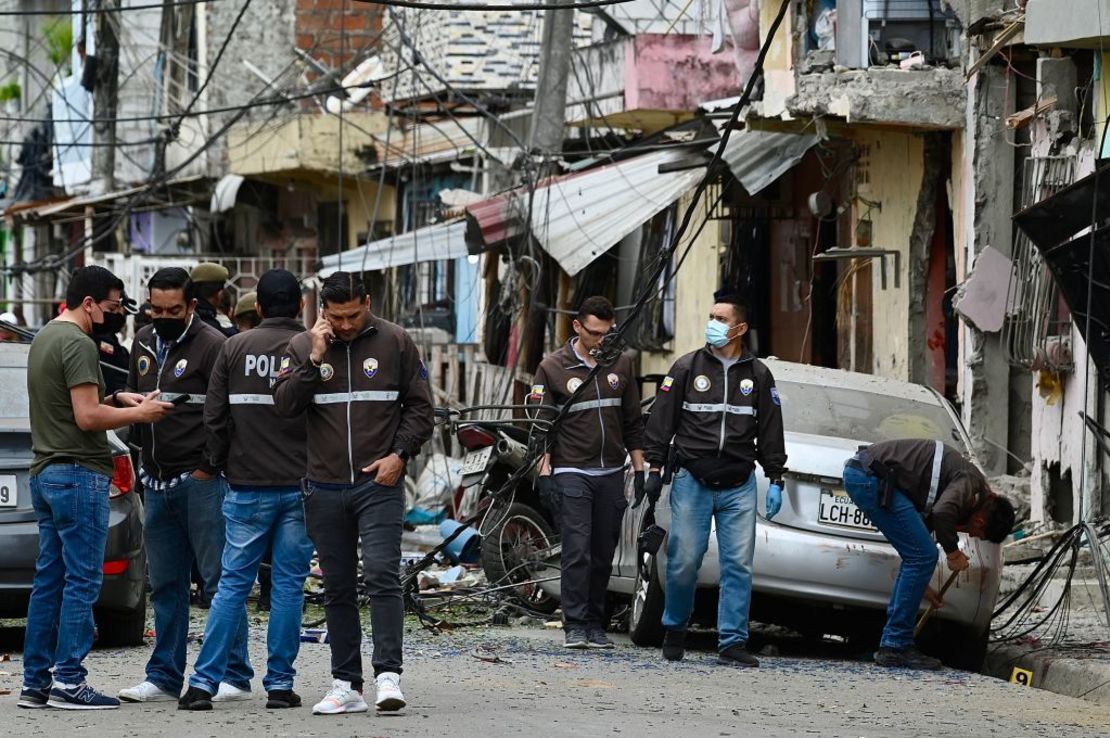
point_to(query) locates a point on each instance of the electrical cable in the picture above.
(455, 7)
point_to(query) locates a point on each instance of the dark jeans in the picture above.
(71, 504)
(337, 518)
(591, 525)
(184, 521)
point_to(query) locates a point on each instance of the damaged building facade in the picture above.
(937, 122)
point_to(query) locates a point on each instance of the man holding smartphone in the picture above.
(360, 381)
(184, 491)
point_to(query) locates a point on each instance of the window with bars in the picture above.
(1037, 319)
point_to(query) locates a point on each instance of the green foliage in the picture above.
(58, 33)
(10, 91)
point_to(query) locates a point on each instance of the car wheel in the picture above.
(116, 629)
(645, 621)
(512, 553)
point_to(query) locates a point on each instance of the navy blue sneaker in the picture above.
(81, 697)
(34, 699)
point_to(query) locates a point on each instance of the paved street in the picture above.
(539, 690)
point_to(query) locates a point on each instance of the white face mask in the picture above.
(716, 333)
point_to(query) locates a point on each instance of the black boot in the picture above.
(737, 656)
(907, 657)
(195, 698)
(674, 645)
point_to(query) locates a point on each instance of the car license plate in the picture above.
(8, 496)
(837, 508)
(475, 461)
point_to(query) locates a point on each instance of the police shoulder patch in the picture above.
(667, 383)
(285, 367)
(423, 370)
(775, 396)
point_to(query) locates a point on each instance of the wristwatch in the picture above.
(779, 482)
(401, 453)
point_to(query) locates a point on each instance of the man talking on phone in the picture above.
(360, 381)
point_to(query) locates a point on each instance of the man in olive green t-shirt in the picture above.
(70, 476)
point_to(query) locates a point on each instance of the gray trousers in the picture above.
(591, 513)
(337, 518)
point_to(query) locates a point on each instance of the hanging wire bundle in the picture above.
(1033, 610)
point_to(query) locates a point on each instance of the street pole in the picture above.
(105, 96)
(546, 141)
(550, 108)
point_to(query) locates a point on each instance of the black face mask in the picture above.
(113, 323)
(169, 329)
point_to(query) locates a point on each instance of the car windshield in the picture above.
(13, 395)
(863, 416)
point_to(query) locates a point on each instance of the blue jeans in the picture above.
(903, 527)
(257, 517)
(182, 522)
(71, 504)
(693, 508)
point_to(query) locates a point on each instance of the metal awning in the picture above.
(758, 158)
(576, 218)
(431, 243)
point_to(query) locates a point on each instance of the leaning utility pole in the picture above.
(105, 96)
(546, 143)
(550, 108)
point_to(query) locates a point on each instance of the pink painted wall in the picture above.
(676, 72)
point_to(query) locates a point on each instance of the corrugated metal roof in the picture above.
(577, 218)
(431, 243)
(444, 140)
(758, 158)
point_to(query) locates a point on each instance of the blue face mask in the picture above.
(716, 334)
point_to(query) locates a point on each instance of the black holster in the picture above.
(887, 480)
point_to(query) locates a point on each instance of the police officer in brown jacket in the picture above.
(584, 465)
(263, 456)
(908, 487)
(369, 409)
(184, 491)
(720, 409)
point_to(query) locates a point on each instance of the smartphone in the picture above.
(174, 398)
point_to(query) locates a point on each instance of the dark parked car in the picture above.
(121, 609)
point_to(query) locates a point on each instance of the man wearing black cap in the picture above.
(263, 456)
(210, 280)
(720, 409)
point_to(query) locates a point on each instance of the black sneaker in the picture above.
(597, 638)
(907, 657)
(674, 645)
(34, 699)
(737, 656)
(281, 699)
(195, 698)
(81, 697)
(576, 638)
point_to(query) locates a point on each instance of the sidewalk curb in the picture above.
(1051, 670)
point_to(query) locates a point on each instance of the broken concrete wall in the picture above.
(921, 98)
(921, 238)
(984, 206)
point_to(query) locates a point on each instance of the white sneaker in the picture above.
(231, 693)
(339, 700)
(389, 692)
(146, 692)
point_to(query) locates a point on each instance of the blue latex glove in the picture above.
(774, 500)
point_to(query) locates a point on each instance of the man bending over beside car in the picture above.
(908, 488)
(70, 476)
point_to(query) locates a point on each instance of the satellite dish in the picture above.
(820, 204)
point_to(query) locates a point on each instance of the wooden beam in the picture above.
(1022, 117)
(1004, 37)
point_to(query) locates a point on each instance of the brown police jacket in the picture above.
(960, 486)
(254, 445)
(366, 399)
(734, 415)
(178, 443)
(603, 422)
